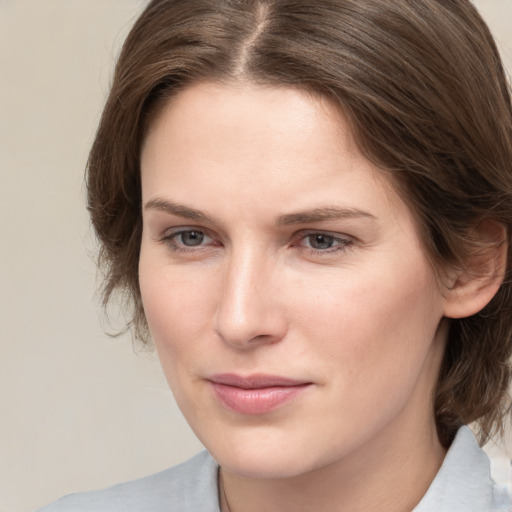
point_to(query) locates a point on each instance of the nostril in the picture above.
(262, 329)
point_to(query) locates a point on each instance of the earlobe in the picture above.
(473, 287)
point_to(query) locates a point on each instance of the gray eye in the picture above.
(319, 241)
(191, 238)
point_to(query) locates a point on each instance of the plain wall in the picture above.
(78, 409)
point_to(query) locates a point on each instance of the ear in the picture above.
(469, 290)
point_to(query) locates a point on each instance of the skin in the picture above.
(357, 312)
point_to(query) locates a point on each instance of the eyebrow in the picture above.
(322, 214)
(301, 217)
(179, 210)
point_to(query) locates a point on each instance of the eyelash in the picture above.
(170, 240)
(342, 243)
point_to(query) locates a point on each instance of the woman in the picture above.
(310, 205)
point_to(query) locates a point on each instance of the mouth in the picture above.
(255, 394)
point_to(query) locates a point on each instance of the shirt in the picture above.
(463, 484)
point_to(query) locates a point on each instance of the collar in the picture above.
(464, 483)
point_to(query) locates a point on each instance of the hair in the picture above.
(421, 84)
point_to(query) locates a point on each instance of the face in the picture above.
(292, 306)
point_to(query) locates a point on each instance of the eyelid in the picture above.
(176, 230)
(334, 234)
(170, 235)
(344, 242)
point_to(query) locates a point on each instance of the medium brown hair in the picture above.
(423, 87)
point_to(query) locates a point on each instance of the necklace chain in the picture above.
(223, 490)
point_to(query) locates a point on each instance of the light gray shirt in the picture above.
(463, 484)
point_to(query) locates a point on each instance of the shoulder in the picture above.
(188, 487)
(464, 483)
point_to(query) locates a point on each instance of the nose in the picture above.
(248, 313)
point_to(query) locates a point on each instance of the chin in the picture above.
(263, 464)
(267, 453)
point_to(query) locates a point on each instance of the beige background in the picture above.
(78, 410)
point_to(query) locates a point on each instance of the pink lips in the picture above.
(256, 394)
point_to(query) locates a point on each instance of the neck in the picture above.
(392, 476)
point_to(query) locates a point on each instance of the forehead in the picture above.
(263, 112)
(205, 119)
(257, 146)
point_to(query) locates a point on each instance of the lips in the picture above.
(255, 394)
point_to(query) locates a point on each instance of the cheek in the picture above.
(177, 306)
(374, 328)
(174, 319)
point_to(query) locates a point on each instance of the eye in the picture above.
(324, 243)
(321, 241)
(186, 240)
(190, 238)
